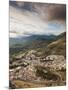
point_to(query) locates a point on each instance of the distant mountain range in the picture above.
(14, 41)
(46, 44)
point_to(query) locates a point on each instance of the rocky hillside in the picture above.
(30, 67)
(40, 63)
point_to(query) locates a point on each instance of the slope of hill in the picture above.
(59, 45)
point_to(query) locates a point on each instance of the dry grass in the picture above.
(25, 84)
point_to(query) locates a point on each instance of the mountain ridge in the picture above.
(48, 45)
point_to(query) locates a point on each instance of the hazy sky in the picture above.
(36, 18)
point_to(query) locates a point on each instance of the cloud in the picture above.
(24, 22)
(58, 12)
(45, 10)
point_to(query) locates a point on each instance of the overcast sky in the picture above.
(36, 18)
